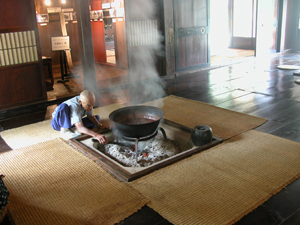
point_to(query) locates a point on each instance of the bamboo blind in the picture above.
(143, 33)
(17, 48)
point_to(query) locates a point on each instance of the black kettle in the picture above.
(201, 135)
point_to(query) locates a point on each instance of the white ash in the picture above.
(149, 151)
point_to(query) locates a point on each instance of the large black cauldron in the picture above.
(137, 121)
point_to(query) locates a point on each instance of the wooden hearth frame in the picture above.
(114, 167)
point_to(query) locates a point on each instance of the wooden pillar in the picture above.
(86, 42)
(292, 25)
(169, 37)
(65, 33)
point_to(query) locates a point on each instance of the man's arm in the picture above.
(95, 121)
(82, 129)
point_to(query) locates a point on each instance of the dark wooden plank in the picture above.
(261, 215)
(201, 93)
(282, 207)
(292, 93)
(285, 202)
(213, 99)
(145, 216)
(288, 130)
(283, 110)
(293, 219)
(247, 104)
(3, 146)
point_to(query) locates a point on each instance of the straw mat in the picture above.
(53, 183)
(42, 131)
(224, 183)
(224, 123)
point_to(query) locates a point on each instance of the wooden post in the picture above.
(64, 33)
(169, 37)
(86, 44)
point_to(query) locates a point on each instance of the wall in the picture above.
(22, 79)
(98, 34)
(53, 29)
(145, 32)
(119, 30)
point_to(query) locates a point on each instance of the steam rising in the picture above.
(145, 45)
(145, 84)
(144, 40)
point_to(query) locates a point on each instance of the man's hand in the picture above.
(101, 138)
(102, 127)
(82, 129)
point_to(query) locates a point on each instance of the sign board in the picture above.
(120, 12)
(105, 5)
(42, 18)
(115, 4)
(67, 10)
(60, 43)
(54, 10)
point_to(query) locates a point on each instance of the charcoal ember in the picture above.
(149, 152)
(144, 162)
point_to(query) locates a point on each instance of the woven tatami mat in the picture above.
(53, 183)
(42, 131)
(224, 123)
(224, 183)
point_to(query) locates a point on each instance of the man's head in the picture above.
(87, 100)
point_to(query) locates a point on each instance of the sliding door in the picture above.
(191, 20)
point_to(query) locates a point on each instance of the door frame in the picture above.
(242, 42)
(191, 31)
(276, 37)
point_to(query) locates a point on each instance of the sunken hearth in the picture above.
(131, 159)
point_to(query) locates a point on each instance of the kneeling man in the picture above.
(70, 113)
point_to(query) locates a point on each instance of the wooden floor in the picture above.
(253, 86)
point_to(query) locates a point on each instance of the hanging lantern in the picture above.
(47, 2)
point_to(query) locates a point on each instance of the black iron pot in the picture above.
(137, 121)
(201, 135)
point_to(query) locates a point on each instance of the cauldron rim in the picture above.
(137, 130)
(133, 108)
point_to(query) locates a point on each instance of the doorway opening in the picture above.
(109, 41)
(231, 22)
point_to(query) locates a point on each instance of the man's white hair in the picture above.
(87, 95)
